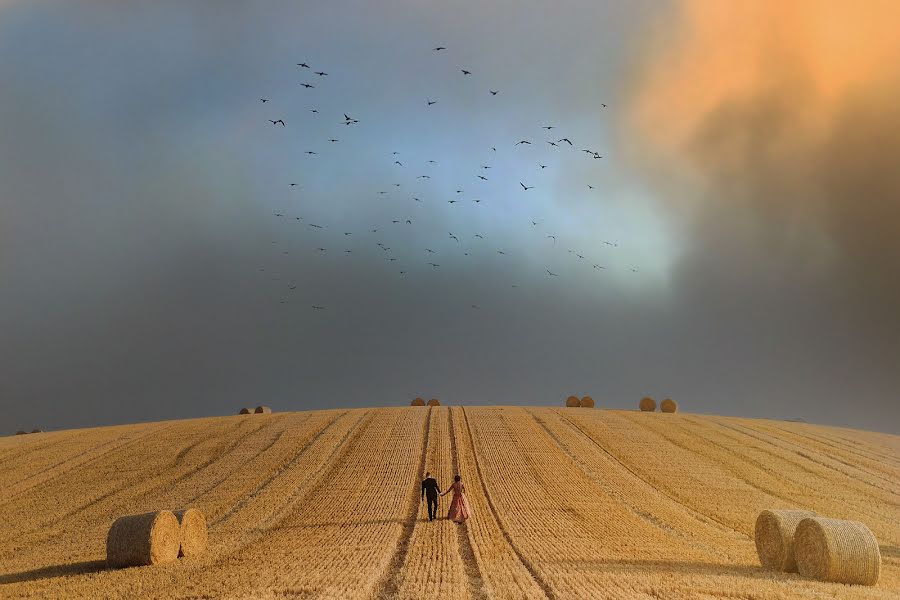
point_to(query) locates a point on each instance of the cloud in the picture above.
(769, 132)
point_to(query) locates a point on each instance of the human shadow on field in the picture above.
(79, 568)
(676, 566)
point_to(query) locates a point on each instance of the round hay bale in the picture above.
(587, 402)
(245, 411)
(418, 402)
(21, 432)
(774, 538)
(573, 401)
(647, 404)
(37, 431)
(434, 402)
(263, 410)
(193, 532)
(148, 539)
(837, 551)
(668, 406)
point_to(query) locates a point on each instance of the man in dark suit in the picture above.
(431, 490)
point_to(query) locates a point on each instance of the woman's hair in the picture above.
(457, 478)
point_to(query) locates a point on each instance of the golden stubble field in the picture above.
(567, 502)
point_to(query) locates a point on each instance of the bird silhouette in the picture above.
(304, 65)
(452, 201)
(263, 100)
(434, 264)
(316, 226)
(433, 162)
(534, 223)
(476, 201)
(603, 105)
(597, 155)
(589, 151)
(424, 177)
(313, 110)
(279, 215)
(566, 140)
(454, 237)
(397, 162)
(276, 122)
(523, 142)
(526, 187)
(590, 187)
(332, 140)
(542, 166)
(321, 249)
(430, 101)
(547, 127)
(308, 86)
(479, 236)
(598, 267)
(553, 144)
(464, 72)
(552, 273)
(348, 233)
(485, 167)
(321, 73)
(292, 184)
(439, 48)
(554, 238)
(409, 221)
(493, 93)
(482, 177)
(429, 250)
(310, 152)
(501, 252)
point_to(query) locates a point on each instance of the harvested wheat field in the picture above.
(567, 503)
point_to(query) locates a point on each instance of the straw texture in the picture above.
(573, 401)
(587, 402)
(263, 410)
(668, 406)
(837, 551)
(434, 402)
(193, 532)
(418, 402)
(148, 539)
(647, 404)
(774, 538)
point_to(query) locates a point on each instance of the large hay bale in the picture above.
(193, 532)
(587, 402)
(434, 402)
(837, 551)
(647, 404)
(148, 539)
(775, 538)
(573, 401)
(418, 402)
(245, 411)
(668, 406)
(263, 410)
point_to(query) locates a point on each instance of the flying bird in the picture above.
(304, 65)
(590, 187)
(434, 264)
(321, 73)
(433, 162)
(598, 267)
(307, 85)
(526, 187)
(429, 250)
(309, 152)
(263, 100)
(566, 140)
(482, 177)
(479, 236)
(430, 101)
(589, 151)
(603, 105)
(523, 142)
(316, 226)
(452, 201)
(333, 140)
(493, 93)
(597, 155)
(424, 177)
(485, 167)
(455, 238)
(542, 166)
(553, 144)
(552, 274)
(292, 184)
(439, 48)
(277, 122)
(313, 110)
(547, 127)
(464, 72)
(554, 238)
(397, 162)
(501, 252)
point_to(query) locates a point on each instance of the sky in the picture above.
(739, 250)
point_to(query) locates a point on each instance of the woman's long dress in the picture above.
(459, 507)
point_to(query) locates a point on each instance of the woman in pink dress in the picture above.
(459, 506)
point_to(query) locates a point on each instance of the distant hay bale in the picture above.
(434, 402)
(21, 432)
(418, 402)
(587, 402)
(245, 411)
(647, 404)
(573, 401)
(837, 551)
(774, 538)
(193, 532)
(37, 431)
(263, 410)
(668, 406)
(148, 539)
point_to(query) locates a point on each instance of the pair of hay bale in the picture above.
(648, 404)
(421, 402)
(156, 537)
(819, 548)
(260, 410)
(574, 401)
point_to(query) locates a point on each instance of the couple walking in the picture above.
(459, 506)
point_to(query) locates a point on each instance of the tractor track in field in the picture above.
(527, 564)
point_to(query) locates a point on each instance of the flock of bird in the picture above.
(429, 255)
